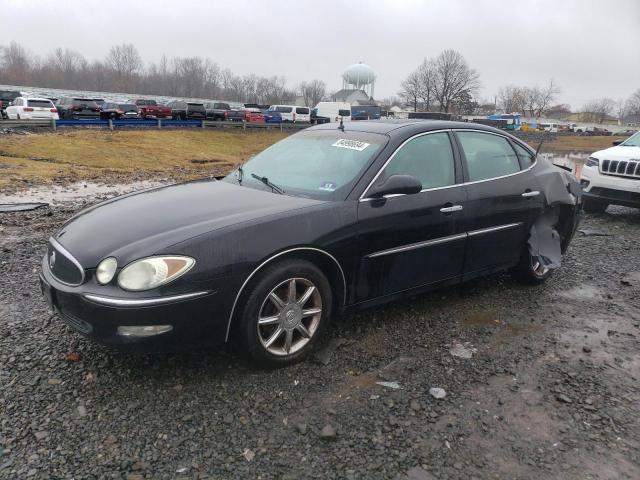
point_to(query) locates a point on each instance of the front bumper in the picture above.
(195, 319)
(611, 189)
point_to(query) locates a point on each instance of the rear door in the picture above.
(503, 199)
(413, 240)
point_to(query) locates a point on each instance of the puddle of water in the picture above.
(76, 192)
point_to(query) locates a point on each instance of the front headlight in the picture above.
(152, 272)
(592, 162)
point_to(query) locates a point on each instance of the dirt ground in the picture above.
(540, 383)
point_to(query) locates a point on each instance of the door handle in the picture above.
(529, 194)
(453, 208)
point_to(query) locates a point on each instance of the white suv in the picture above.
(612, 176)
(32, 108)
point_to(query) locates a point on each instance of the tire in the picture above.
(594, 206)
(530, 271)
(286, 335)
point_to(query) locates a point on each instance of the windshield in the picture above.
(320, 164)
(633, 141)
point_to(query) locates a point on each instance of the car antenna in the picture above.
(341, 126)
(539, 146)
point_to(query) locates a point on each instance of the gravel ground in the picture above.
(544, 383)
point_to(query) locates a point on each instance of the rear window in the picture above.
(344, 113)
(195, 104)
(302, 110)
(127, 107)
(83, 102)
(222, 106)
(284, 109)
(146, 102)
(39, 103)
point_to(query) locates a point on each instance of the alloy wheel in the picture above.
(289, 316)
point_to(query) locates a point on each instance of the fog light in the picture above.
(143, 330)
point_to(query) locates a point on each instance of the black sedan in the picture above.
(327, 219)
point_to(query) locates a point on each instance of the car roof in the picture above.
(386, 126)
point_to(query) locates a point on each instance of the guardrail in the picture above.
(155, 123)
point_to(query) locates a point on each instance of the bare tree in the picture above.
(453, 78)
(632, 105)
(598, 110)
(427, 78)
(15, 64)
(313, 92)
(512, 99)
(545, 96)
(125, 61)
(411, 89)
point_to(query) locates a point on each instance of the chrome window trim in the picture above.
(56, 245)
(127, 302)
(415, 246)
(482, 231)
(235, 302)
(363, 198)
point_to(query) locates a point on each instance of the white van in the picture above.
(334, 111)
(550, 127)
(291, 113)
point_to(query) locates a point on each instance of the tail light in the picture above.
(28, 109)
(76, 108)
(226, 115)
(53, 110)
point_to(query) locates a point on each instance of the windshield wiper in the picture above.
(240, 175)
(265, 180)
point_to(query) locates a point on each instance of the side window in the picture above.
(526, 157)
(488, 156)
(429, 158)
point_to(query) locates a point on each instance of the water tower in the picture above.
(359, 76)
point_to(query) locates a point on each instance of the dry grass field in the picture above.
(571, 143)
(125, 156)
(105, 156)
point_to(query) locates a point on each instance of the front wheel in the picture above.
(531, 270)
(285, 314)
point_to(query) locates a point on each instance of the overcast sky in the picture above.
(590, 47)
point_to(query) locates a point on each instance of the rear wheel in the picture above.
(285, 313)
(531, 270)
(594, 206)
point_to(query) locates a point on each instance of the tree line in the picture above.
(124, 71)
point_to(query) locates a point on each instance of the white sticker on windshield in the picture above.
(351, 144)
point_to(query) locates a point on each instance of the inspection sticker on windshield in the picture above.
(327, 186)
(351, 144)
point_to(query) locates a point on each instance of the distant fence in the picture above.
(157, 123)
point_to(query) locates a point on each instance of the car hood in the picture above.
(139, 224)
(618, 153)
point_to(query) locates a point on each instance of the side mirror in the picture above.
(617, 142)
(396, 185)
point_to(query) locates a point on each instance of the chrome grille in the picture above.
(621, 168)
(63, 266)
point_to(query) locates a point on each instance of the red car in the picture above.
(253, 117)
(151, 109)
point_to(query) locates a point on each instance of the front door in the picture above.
(413, 240)
(503, 197)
